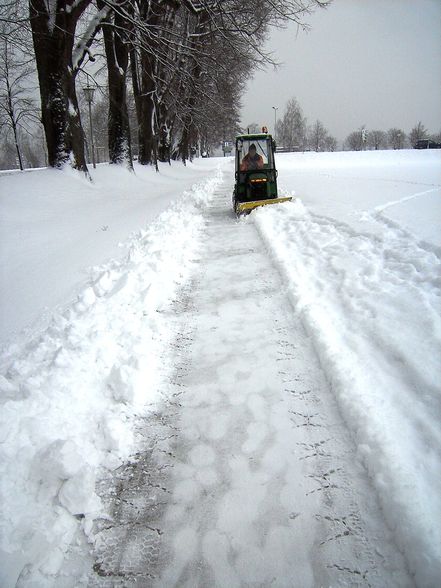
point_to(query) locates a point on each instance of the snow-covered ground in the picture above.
(361, 258)
(71, 395)
(54, 227)
(401, 187)
(250, 415)
(264, 486)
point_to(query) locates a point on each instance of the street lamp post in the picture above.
(275, 108)
(363, 138)
(88, 94)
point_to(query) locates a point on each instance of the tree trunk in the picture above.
(144, 75)
(134, 70)
(11, 114)
(189, 133)
(117, 55)
(147, 108)
(53, 37)
(143, 90)
(165, 129)
(17, 147)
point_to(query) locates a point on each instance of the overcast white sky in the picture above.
(372, 62)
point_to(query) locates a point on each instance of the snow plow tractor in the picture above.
(256, 174)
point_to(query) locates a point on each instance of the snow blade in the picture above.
(246, 207)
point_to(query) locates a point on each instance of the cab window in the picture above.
(262, 149)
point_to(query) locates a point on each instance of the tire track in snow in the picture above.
(254, 479)
(382, 207)
(371, 305)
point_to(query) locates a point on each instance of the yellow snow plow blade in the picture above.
(249, 206)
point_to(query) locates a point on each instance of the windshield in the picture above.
(261, 154)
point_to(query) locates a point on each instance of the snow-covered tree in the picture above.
(202, 46)
(60, 53)
(117, 28)
(188, 62)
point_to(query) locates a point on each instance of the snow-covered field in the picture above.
(358, 255)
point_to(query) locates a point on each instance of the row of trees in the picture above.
(393, 138)
(181, 64)
(293, 131)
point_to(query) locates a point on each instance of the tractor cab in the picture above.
(255, 173)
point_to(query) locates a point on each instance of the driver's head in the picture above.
(252, 150)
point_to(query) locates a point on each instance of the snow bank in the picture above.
(70, 398)
(55, 224)
(371, 303)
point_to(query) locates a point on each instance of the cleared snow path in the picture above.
(249, 476)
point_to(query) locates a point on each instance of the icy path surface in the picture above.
(249, 476)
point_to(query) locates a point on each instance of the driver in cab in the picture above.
(252, 160)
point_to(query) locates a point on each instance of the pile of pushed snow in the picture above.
(71, 397)
(54, 225)
(371, 303)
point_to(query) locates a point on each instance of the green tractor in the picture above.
(256, 174)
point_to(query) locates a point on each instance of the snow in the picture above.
(252, 478)
(55, 226)
(81, 47)
(71, 395)
(275, 377)
(71, 109)
(364, 273)
(345, 184)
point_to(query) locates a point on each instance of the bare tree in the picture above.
(18, 112)
(396, 138)
(330, 143)
(14, 23)
(291, 128)
(33, 156)
(376, 140)
(418, 132)
(101, 129)
(354, 141)
(317, 136)
(8, 153)
(436, 137)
